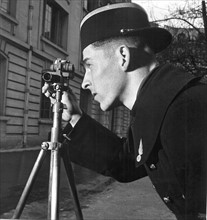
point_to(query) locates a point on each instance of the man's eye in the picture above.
(88, 65)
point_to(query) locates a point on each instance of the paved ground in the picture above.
(104, 199)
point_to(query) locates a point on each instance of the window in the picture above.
(55, 23)
(3, 69)
(85, 4)
(8, 6)
(48, 21)
(105, 2)
(90, 5)
(46, 109)
(5, 6)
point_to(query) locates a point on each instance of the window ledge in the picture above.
(4, 118)
(45, 40)
(9, 17)
(45, 121)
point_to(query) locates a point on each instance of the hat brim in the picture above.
(158, 39)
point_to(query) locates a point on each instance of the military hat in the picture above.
(122, 19)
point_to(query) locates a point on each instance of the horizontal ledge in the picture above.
(4, 118)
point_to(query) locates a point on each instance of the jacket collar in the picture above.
(153, 100)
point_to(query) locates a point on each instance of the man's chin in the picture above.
(106, 108)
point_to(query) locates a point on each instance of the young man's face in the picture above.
(103, 76)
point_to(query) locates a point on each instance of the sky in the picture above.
(158, 9)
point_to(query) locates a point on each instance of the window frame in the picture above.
(11, 10)
(58, 24)
(3, 83)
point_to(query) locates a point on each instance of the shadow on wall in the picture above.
(15, 168)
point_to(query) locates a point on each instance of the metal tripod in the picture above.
(54, 146)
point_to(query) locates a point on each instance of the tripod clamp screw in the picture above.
(45, 145)
(51, 145)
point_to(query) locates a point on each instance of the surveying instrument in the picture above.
(58, 75)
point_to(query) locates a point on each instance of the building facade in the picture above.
(33, 34)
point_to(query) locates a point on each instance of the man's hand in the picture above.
(71, 111)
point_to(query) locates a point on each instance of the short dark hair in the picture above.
(130, 40)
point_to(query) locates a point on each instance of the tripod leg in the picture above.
(53, 198)
(72, 187)
(29, 184)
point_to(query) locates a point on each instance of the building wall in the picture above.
(26, 52)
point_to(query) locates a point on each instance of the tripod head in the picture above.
(59, 72)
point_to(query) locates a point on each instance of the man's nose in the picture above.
(86, 82)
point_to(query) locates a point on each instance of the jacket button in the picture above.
(152, 166)
(139, 157)
(166, 199)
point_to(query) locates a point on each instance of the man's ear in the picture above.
(124, 57)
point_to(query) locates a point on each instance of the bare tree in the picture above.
(189, 46)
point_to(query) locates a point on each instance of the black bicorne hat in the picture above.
(122, 19)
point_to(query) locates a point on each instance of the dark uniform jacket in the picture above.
(167, 141)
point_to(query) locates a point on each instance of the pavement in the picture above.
(102, 198)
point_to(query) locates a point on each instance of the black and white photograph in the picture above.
(103, 109)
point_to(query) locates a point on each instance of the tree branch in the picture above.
(182, 19)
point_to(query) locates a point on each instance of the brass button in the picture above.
(139, 157)
(152, 166)
(166, 199)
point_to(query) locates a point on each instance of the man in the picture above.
(168, 134)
